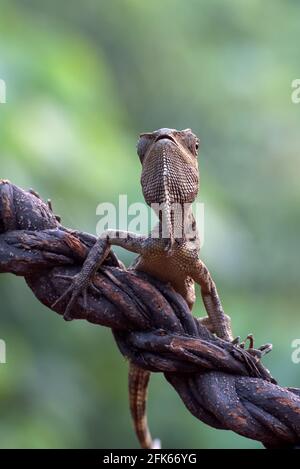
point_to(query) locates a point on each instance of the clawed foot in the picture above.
(78, 286)
(256, 352)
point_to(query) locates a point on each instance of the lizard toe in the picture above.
(77, 287)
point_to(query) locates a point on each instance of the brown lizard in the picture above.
(170, 181)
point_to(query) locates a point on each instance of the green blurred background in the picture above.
(83, 80)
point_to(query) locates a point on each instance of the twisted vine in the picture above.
(219, 383)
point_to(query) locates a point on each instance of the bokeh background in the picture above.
(83, 80)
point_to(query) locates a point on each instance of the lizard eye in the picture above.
(143, 145)
(192, 143)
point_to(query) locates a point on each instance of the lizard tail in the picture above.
(138, 379)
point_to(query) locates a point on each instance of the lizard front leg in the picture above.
(219, 321)
(80, 282)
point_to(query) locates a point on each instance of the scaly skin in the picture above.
(170, 253)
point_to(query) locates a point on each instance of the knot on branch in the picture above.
(220, 383)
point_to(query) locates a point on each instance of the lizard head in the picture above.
(170, 176)
(169, 166)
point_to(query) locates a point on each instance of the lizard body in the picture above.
(170, 181)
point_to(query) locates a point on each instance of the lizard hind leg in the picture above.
(138, 380)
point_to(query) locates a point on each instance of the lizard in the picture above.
(170, 183)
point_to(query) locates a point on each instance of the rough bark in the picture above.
(219, 383)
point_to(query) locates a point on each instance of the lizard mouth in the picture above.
(165, 137)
